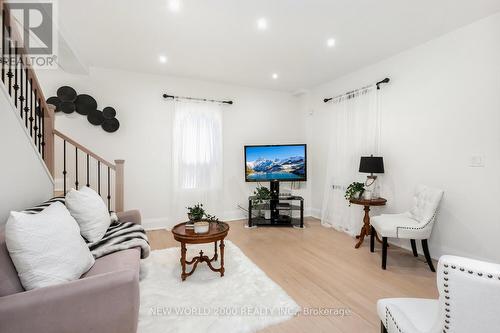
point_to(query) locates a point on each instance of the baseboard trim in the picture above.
(158, 223)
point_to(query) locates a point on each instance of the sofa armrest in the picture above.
(130, 216)
(105, 303)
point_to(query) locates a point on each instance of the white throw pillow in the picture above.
(47, 248)
(89, 210)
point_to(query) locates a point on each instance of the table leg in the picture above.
(222, 257)
(365, 229)
(216, 255)
(183, 261)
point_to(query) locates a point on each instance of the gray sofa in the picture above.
(103, 300)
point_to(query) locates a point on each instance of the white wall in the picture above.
(144, 138)
(25, 180)
(441, 108)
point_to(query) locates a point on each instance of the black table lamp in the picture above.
(371, 164)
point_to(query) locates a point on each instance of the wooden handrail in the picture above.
(84, 149)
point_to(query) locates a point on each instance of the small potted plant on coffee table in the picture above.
(199, 219)
(196, 212)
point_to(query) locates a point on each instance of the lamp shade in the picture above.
(371, 164)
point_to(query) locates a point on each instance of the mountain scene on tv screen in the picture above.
(289, 168)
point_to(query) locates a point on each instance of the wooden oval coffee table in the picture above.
(217, 232)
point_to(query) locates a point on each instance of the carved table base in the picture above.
(366, 228)
(202, 258)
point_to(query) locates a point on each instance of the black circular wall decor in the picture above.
(95, 117)
(67, 107)
(85, 104)
(111, 125)
(54, 100)
(66, 94)
(109, 112)
(68, 101)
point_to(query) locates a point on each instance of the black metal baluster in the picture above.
(42, 130)
(64, 166)
(88, 183)
(35, 127)
(21, 97)
(31, 107)
(3, 45)
(16, 86)
(99, 177)
(40, 119)
(109, 189)
(76, 167)
(9, 73)
(27, 95)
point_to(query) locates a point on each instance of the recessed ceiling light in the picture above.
(162, 59)
(330, 42)
(275, 76)
(262, 23)
(174, 5)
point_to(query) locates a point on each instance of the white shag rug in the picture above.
(244, 300)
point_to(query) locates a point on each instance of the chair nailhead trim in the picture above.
(387, 315)
(418, 228)
(447, 291)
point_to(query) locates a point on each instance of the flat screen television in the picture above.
(287, 163)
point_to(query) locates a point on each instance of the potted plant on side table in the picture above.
(354, 191)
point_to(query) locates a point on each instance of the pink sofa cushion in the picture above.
(118, 261)
(9, 281)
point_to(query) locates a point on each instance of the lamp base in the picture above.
(371, 188)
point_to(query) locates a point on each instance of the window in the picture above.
(197, 146)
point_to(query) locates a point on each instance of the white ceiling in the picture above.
(218, 40)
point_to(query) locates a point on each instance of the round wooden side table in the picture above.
(216, 233)
(366, 228)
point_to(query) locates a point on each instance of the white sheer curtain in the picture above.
(197, 158)
(355, 132)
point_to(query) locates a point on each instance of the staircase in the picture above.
(74, 164)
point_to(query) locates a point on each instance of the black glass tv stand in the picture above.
(279, 211)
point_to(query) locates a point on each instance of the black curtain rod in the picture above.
(386, 80)
(197, 99)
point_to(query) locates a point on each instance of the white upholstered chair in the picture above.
(415, 224)
(469, 297)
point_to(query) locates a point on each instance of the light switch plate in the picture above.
(477, 161)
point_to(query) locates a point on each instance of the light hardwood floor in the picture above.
(319, 267)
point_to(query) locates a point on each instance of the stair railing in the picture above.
(19, 78)
(22, 85)
(82, 167)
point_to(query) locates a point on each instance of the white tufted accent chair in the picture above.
(414, 224)
(469, 296)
